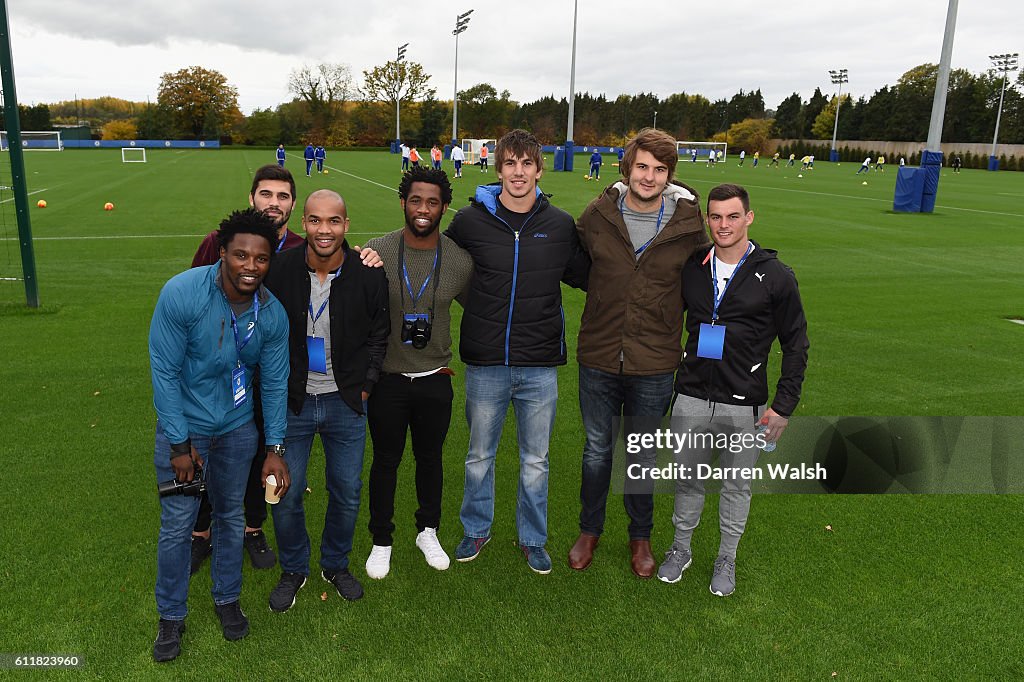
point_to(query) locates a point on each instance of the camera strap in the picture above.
(434, 274)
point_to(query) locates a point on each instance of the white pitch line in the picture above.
(1017, 321)
(29, 194)
(351, 175)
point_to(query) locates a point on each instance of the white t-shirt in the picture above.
(458, 154)
(405, 152)
(867, 162)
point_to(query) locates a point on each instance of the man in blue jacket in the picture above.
(309, 154)
(319, 154)
(213, 328)
(595, 165)
(513, 337)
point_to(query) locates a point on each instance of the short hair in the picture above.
(518, 143)
(247, 221)
(431, 176)
(272, 172)
(324, 193)
(729, 191)
(658, 144)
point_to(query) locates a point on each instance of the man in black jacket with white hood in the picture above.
(739, 298)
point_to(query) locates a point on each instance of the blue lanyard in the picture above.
(280, 244)
(657, 228)
(252, 330)
(322, 305)
(714, 280)
(408, 284)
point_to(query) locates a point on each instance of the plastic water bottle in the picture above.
(769, 446)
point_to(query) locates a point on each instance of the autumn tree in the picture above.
(201, 100)
(120, 129)
(395, 82)
(751, 134)
(324, 88)
(824, 122)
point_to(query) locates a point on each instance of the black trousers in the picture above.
(255, 503)
(423, 407)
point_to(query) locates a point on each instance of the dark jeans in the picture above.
(255, 503)
(603, 397)
(423, 407)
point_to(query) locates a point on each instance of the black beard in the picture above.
(411, 226)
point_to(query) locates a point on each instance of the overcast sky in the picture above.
(64, 48)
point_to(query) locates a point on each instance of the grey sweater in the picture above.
(456, 269)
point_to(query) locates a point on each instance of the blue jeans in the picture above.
(343, 434)
(603, 397)
(226, 461)
(533, 392)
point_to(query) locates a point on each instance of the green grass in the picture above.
(906, 317)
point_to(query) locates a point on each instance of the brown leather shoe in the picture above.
(643, 561)
(583, 551)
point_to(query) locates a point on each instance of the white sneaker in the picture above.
(378, 564)
(432, 551)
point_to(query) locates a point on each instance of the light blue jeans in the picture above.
(226, 462)
(533, 392)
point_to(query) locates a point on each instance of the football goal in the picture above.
(133, 155)
(35, 141)
(472, 149)
(686, 148)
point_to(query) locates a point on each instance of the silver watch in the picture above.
(276, 449)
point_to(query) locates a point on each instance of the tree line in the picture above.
(330, 107)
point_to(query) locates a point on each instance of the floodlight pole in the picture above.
(398, 93)
(1005, 63)
(655, 126)
(934, 143)
(838, 78)
(569, 152)
(461, 24)
(18, 177)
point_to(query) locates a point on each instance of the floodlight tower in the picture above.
(838, 78)
(655, 126)
(569, 152)
(398, 93)
(461, 24)
(1004, 63)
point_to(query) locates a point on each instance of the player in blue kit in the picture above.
(308, 155)
(319, 154)
(280, 155)
(595, 165)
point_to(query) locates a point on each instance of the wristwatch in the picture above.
(276, 450)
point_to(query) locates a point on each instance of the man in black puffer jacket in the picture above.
(513, 337)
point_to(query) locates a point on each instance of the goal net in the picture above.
(686, 149)
(133, 155)
(472, 149)
(35, 141)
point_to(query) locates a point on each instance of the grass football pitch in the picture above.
(908, 315)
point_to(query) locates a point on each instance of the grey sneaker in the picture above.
(676, 561)
(723, 580)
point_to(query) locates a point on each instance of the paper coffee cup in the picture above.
(268, 494)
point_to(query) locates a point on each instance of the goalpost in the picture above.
(685, 149)
(133, 157)
(472, 148)
(35, 141)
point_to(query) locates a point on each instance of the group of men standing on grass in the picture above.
(328, 344)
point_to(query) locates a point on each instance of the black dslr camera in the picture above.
(416, 330)
(175, 487)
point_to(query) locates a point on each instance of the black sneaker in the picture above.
(168, 640)
(201, 550)
(346, 584)
(259, 551)
(232, 620)
(282, 597)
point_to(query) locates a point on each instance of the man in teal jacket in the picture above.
(213, 328)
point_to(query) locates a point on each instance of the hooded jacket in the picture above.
(633, 319)
(513, 311)
(762, 302)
